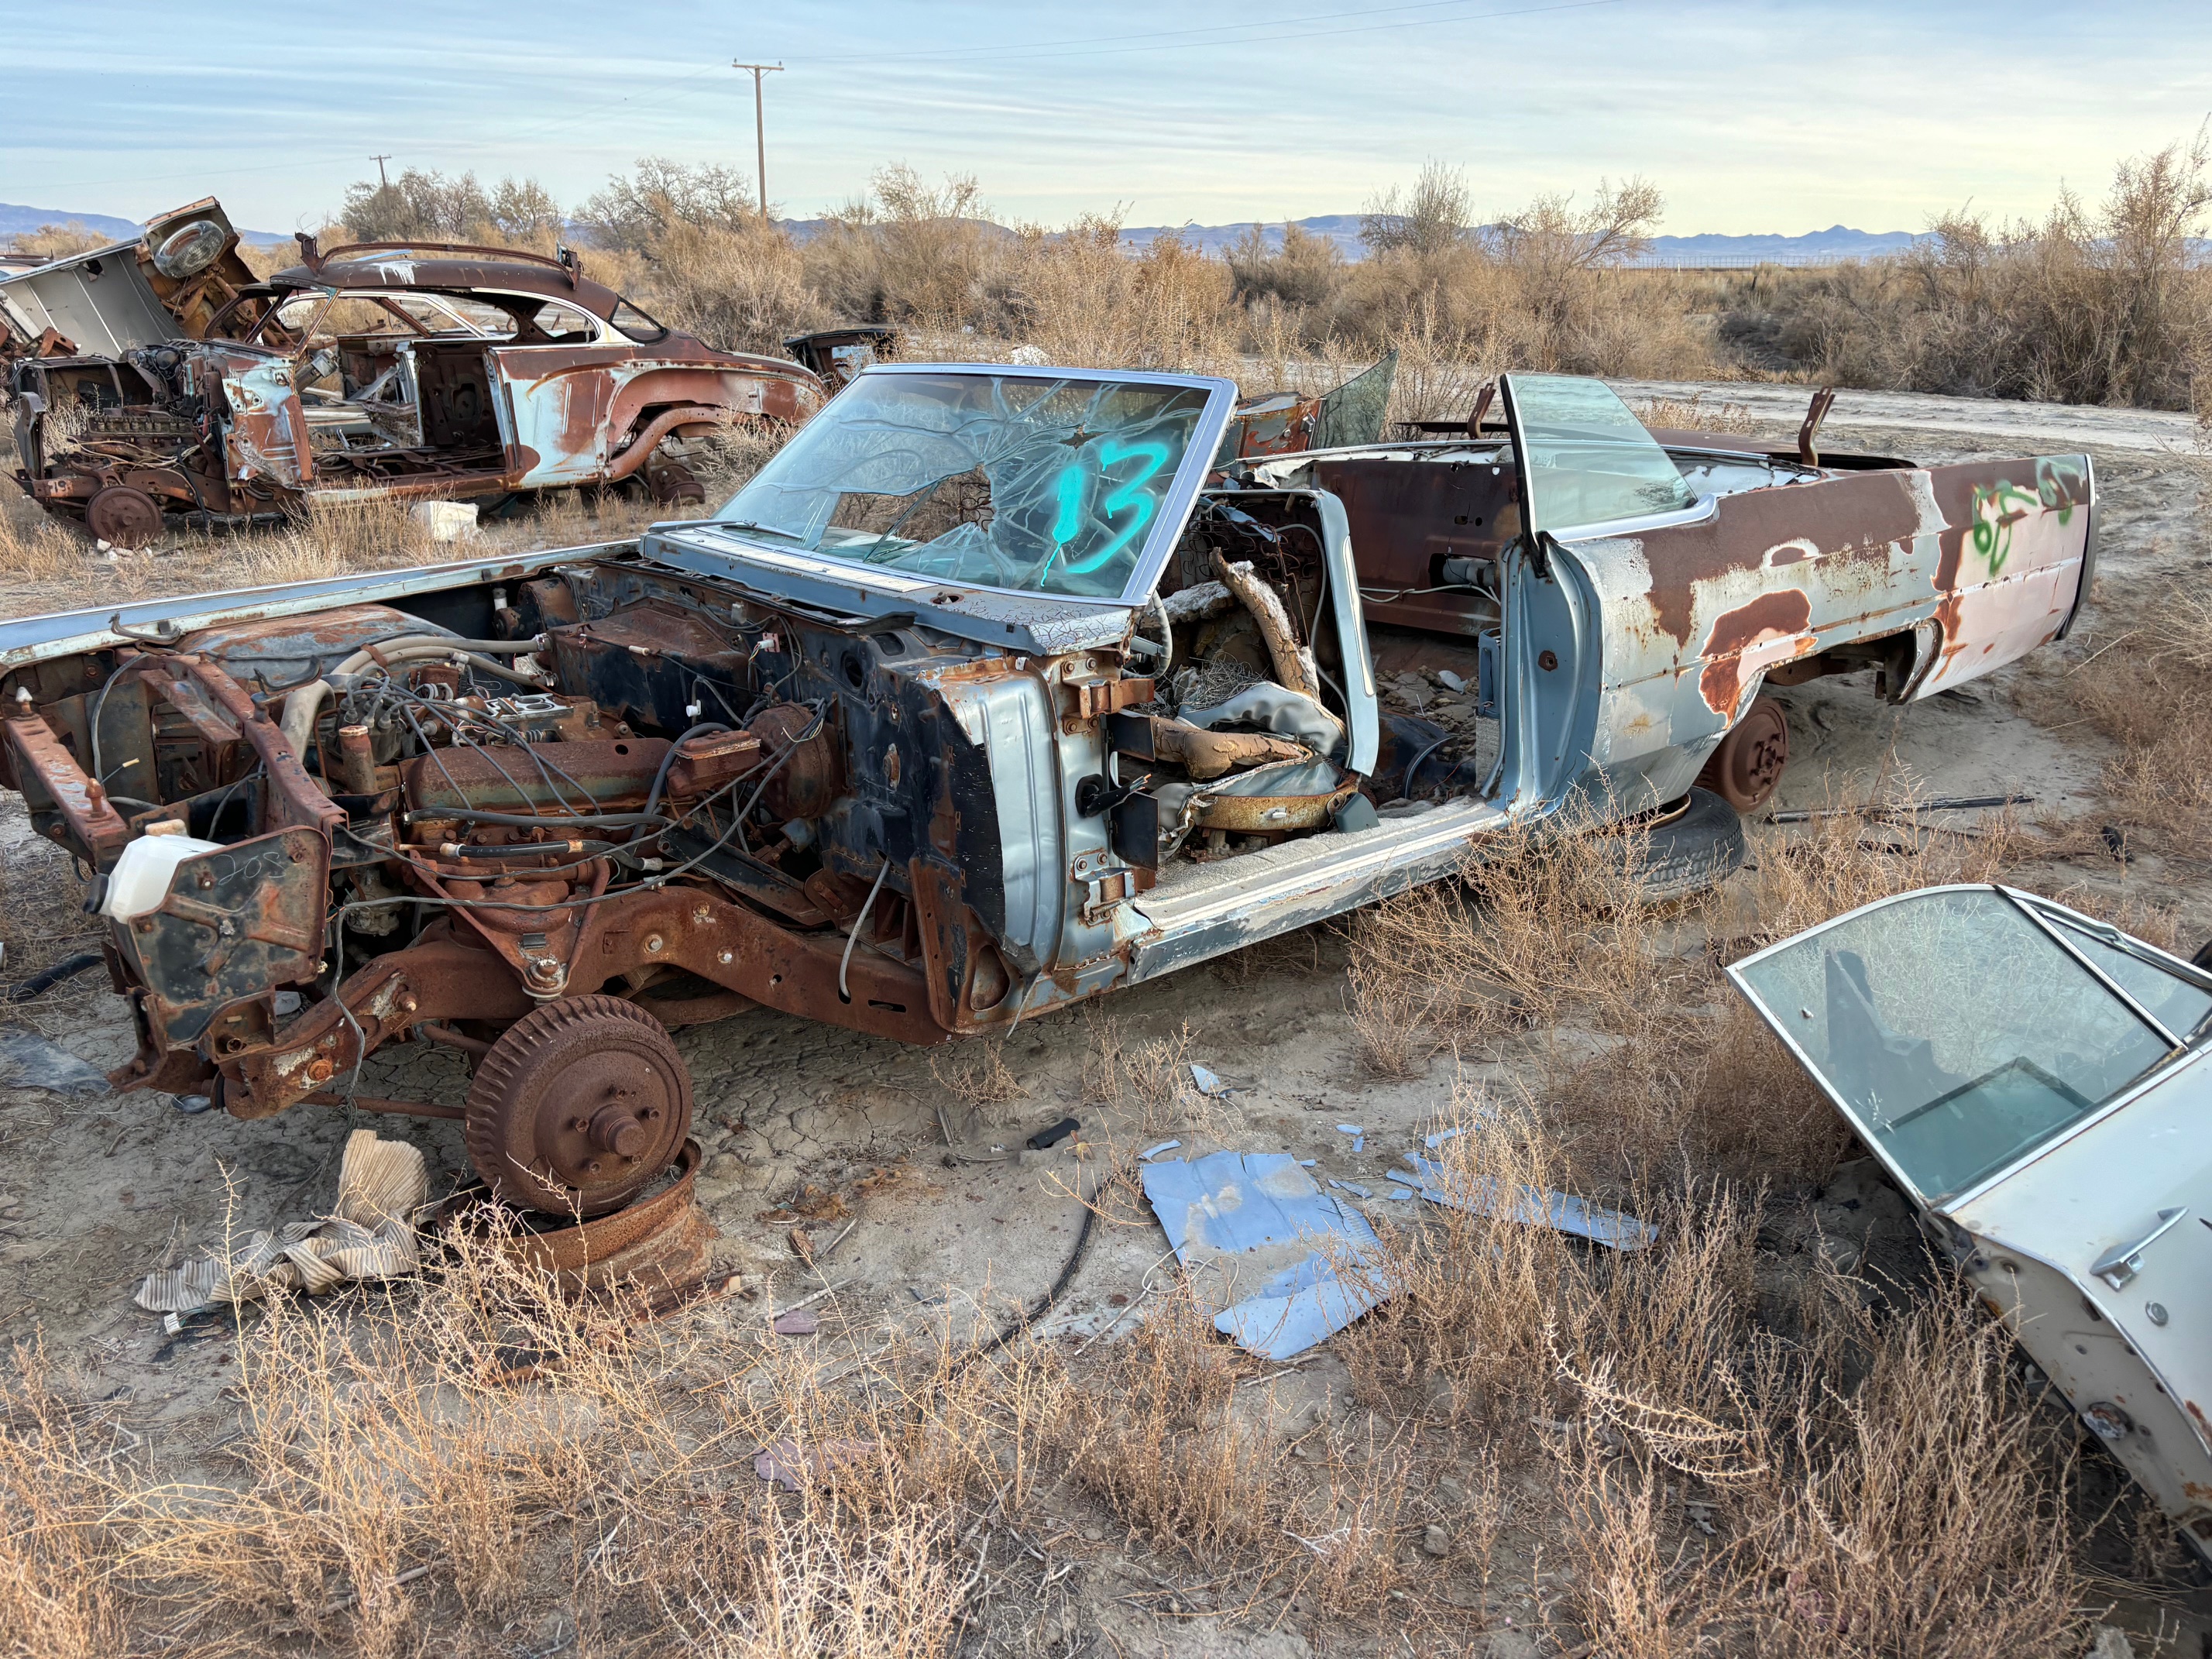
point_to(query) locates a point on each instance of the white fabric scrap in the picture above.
(381, 1183)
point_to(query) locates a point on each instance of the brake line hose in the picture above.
(858, 922)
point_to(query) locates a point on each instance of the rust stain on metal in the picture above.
(1782, 615)
(258, 402)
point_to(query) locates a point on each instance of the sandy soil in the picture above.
(101, 1190)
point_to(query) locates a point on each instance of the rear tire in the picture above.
(1697, 848)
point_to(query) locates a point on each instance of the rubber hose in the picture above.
(301, 709)
(46, 978)
(550, 849)
(845, 962)
(1044, 1303)
(433, 645)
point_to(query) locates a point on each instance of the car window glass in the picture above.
(289, 323)
(1957, 1033)
(1589, 460)
(1044, 483)
(434, 317)
(2172, 1002)
(636, 323)
(486, 318)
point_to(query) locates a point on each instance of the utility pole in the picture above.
(382, 183)
(760, 126)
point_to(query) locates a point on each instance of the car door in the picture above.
(559, 390)
(2037, 1084)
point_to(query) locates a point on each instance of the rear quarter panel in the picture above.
(1984, 559)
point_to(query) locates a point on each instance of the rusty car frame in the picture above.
(996, 690)
(159, 381)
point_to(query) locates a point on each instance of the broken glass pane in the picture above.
(1049, 485)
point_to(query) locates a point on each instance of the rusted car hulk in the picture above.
(376, 370)
(994, 690)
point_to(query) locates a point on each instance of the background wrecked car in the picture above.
(988, 695)
(160, 380)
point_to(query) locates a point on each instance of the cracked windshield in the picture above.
(1000, 481)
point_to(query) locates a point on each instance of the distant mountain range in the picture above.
(1819, 247)
(17, 220)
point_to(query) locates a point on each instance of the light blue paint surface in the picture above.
(1262, 1205)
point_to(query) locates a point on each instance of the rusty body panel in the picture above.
(1933, 577)
(865, 783)
(375, 371)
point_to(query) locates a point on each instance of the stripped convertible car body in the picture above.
(995, 690)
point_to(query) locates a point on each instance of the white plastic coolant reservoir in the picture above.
(140, 880)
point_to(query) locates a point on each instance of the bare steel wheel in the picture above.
(123, 517)
(1745, 769)
(579, 1105)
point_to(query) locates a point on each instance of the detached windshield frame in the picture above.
(1159, 536)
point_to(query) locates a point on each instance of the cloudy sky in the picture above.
(1752, 116)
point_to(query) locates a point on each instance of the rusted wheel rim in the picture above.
(1745, 769)
(123, 517)
(579, 1105)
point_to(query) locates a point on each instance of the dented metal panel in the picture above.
(1695, 615)
(226, 400)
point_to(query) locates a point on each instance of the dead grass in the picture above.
(1695, 414)
(421, 1466)
(2143, 684)
(48, 565)
(1539, 926)
(1151, 1079)
(1871, 1484)
(976, 1075)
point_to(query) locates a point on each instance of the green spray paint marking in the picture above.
(2007, 504)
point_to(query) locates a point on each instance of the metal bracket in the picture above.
(1107, 884)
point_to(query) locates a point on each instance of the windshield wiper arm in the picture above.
(763, 529)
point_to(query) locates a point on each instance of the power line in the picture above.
(382, 183)
(1274, 32)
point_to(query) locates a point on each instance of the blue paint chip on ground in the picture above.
(1233, 1215)
(1530, 1207)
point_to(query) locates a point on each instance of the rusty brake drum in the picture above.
(578, 1106)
